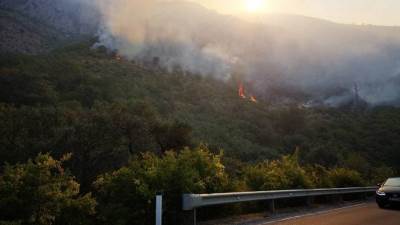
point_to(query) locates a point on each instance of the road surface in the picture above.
(363, 214)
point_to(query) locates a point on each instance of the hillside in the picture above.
(59, 97)
(286, 58)
(25, 36)
(77, 80)
(72, 17)
(34, 27)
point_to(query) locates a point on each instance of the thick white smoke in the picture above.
(320, 59)
(151, 29)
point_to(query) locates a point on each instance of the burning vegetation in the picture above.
(242, 94)
(241, 91)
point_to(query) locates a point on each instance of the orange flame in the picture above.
(241, 91)
(253, 99)
(242, 94)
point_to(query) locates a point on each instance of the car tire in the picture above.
(381, 205)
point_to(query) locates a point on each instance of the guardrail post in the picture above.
(336, 199)
(158, 209)
(189, 210)
(271, 206)
(189, 217)
(340, 199)
(310, 201)
(364, 196)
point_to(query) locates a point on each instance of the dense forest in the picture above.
(87, 137)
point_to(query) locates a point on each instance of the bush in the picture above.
(40, 192)
(285, 173)
(319, 176)
(380, 174)
(341, 177)
(126, 195)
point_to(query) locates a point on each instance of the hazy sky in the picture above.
(380, 12)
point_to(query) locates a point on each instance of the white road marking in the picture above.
(315, 214)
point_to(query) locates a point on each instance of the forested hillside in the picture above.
(100, 113)
(85, 82)
(38, 26)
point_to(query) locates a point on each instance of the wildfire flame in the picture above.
(242, 94)
(253, 99)
(241, 91)
(118, 57)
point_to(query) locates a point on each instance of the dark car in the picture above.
(389, 192)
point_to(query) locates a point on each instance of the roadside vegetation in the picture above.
(42, 192)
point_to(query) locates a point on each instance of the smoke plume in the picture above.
(144, 30)
(315, 59)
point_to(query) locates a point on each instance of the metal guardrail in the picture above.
(190, 202)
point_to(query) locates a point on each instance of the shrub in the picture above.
(380, 174)
(126, 195)
(41, 192)
(319, 176)
(285, 173)
(341, 177)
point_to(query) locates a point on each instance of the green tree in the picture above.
(285, 173)
(319, 176)
(41, 192)
(175, 135)
(380, 174)
(290, 120)
(25, 131)
(357, 162)
(134, 122)
(22, 88)
(342, 177)
(126, 195)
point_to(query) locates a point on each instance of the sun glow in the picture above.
(255, 5)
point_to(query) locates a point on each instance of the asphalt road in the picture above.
(364, 214)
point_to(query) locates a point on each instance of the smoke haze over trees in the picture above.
(319, 59)
(307, 59)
